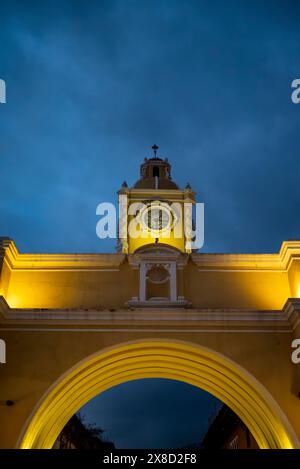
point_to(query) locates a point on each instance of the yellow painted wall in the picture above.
(96, 289)
(236, 289)
(72, 289)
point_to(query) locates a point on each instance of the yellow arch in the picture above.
(157, 358)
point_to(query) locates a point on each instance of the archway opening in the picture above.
(155, 414)
(181, 361)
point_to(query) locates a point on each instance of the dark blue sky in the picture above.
(92, 85)
(152, 413)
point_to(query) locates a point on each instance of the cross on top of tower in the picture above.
(155, 148)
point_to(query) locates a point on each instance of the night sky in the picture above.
(152, 413)
(92, 85)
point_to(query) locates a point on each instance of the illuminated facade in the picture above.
(77, 324)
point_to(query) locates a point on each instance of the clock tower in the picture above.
(155, 231)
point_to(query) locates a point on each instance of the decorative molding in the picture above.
(4, 244)
(281, 261)
(19, 261)
(159, 303)
(291, 310)
(157, 254)
(168, 258)
(173, 316)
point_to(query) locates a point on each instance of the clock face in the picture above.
(157, 217)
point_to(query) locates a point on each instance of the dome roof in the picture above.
(155, 174)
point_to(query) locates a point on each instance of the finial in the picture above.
(155, 148)
(188, 186)
(124, 184)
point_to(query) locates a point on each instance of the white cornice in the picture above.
(281, 261)
(247, 262)
(183, 319)
(19, 261)
(165, 194)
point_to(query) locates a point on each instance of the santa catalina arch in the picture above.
(74, 325)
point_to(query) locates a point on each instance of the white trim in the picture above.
(126, 330)
(71, 269)
(257, 270)
(173, 281)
